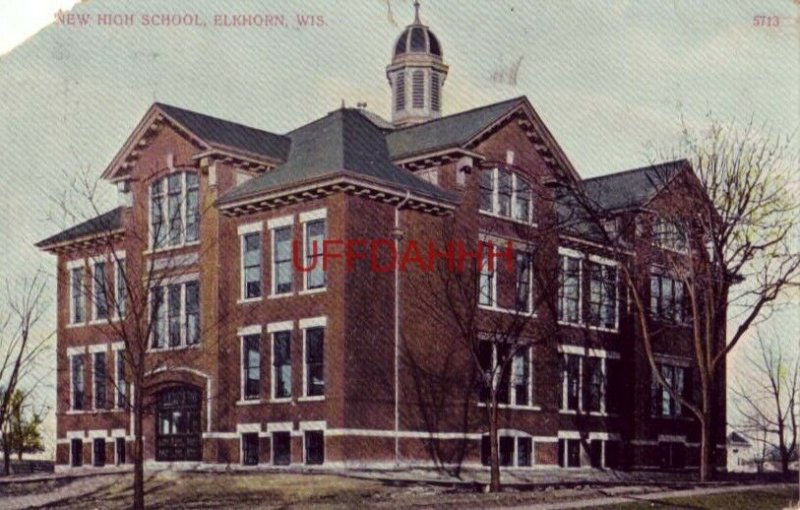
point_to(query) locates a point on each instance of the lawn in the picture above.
(763, 499)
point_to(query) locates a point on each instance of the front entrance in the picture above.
(178, 425)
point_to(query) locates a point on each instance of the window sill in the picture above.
(599, 414)
(307, 292)
(251, 402)
(507, 218)
(245, 301)
(514, 407)
(280, 296)
(99, 322)
(572, 324)
(166, 249)
(175, 348)
(319, 398)
(499, 309)
(73, 325)
(604, 329)
(280, 400)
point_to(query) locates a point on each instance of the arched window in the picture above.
(174, 215)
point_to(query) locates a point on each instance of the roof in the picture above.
(736, 438)
(344, 141)
(631, 188)
(224, 133)
(451, 131)
(102, 224)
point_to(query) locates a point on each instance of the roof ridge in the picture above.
(637, 169)
(464, 112)
(194, 112)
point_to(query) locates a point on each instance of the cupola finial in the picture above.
(416, 12)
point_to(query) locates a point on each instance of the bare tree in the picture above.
(135, 304)
(724, 228)
(20, 343)
(768, 397)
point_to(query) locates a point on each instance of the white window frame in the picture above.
(512, 391)
(119, 264)
(99, 349)
(182, 281)
(516, 436)
(107, 282)
(321, 430)
(495, 212)
(242, 334)
(118, 349)
(305, 219)
(305, 325)
(569, 253)
(71, 353)
(71, 265)
(594, 259)
(278, 328)
(244, 230)
(582, 354)
(163, 182)
(273, 225)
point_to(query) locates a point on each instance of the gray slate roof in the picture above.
(219, 132)
(342, 141)
(446, 132)
(631, 188)
(104, 223)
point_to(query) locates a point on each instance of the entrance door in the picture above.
(178, 425)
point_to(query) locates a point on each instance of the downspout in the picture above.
(398, 235)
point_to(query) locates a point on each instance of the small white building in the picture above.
(740, 454)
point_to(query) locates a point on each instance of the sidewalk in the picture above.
(618, 500)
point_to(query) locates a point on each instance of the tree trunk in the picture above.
(6, 454)
(494, 483)
(138, 455)
(707, 430)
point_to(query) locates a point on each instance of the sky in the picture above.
(611, 79)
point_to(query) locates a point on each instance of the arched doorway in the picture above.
(178, 425)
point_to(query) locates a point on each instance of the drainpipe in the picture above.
(397, 233)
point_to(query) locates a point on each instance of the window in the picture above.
(616, 390)
(670, 235)
(119, 449)
(100, 290)
(516, 384)
(98, 452)
(513, 451)
(251, 265)
(487, 282)
(121, 294)
(314, 441)
(175, 311)
(314, 362)
(430, 175)
(281, 448)
(667, 299)
(76, 452)
(121, 383)
(507, 194)
(436, 95)
(418, 89)
(282, 261)
(524, 292)
(174, 215)
(569, 452)
(400, 92)
(571, 382)
(250, 449)
(100, 375)
(313, 242)
(602, 295)
(251, 367)
(281, 365)
(78, 382)
(77, 288)
(585, 383)
(569, 289)
(663, 403)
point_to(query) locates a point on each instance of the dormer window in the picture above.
(174, 215)
(506, 194)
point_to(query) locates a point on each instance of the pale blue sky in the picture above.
(609, 78)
